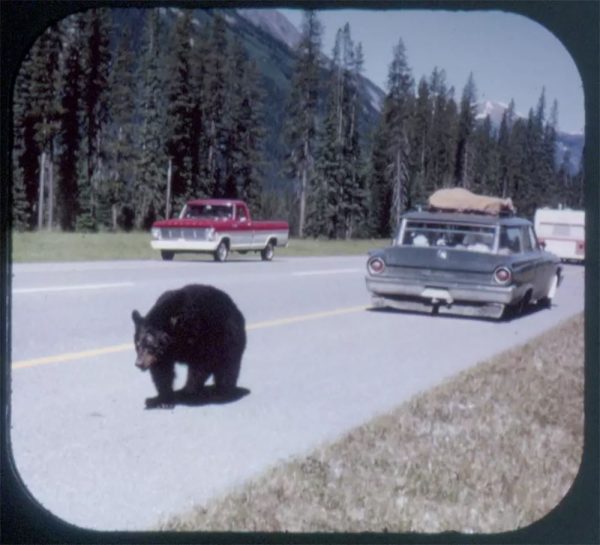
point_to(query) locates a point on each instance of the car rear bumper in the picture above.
(460, 299)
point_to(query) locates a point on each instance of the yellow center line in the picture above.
(71, 356)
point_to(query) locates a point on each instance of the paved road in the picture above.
(317, 363)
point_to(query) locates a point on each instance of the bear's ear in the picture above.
(137, 318)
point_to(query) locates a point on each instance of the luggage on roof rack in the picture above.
(458, 199)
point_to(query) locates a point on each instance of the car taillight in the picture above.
(502, 275)
(376, 265)
(580, 248)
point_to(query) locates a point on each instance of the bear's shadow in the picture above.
(209, 396)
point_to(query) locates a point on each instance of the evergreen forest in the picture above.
(120, 116)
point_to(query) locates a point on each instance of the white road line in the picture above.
(76, 287)
(331, 271)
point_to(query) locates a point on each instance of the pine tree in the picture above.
(198, 131)
(150, 182)
(339, 179)
(179, 110)
(397, 111)
(245, 129)
(121, 155)
(380, 202)
(71, 134)
(36, 114)
(549, 180)
(486, 165)
(420, 142)
(466, 124)
(301, 119)
(505, 159)
(24, 152)
(216, 78)
(95, 65)
(442, 139)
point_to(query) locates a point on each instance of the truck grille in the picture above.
(169, 233)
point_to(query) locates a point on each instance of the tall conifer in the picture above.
(179, 110)
(466, 125)
(301, 120)
(149, 189)
(397, 112)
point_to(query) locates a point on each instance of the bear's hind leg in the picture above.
(196, 378)
(226, 375)
(163, 376)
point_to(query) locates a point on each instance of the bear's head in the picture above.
(151, 344)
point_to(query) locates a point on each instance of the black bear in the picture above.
(197, 325)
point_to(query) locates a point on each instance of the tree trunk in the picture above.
(301, 219)
(50, 196)
(41, 191)
(169, 177)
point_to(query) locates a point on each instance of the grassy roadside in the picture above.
(491, 450)
(56, 246)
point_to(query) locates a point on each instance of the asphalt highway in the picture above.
(318, 362)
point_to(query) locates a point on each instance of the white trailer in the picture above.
(562, 231)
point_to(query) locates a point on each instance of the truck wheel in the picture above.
(167, 255)
(266, 254)
(221, 252)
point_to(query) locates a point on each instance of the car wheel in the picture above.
(167, 255)
(546, 301)
(516, 309)
(221, 252)
(267, 252)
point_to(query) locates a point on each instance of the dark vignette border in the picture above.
(575, 520)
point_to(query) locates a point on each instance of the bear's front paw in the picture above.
(159, 403)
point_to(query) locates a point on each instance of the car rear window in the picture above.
(478, 238)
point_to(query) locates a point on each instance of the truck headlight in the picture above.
(155, 232)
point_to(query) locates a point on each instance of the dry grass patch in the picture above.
(491, 450)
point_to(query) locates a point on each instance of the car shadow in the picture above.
(209, 396)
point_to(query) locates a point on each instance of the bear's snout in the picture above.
(144, 363)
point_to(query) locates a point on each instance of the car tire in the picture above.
(167, 255)
(221, 252)
(546, 301)
(516, 309)
(266, 254)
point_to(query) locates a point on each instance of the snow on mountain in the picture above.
(495, 110)
(571, 142)
(273, 22)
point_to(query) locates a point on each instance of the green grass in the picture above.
(491, 450)
(57, 246)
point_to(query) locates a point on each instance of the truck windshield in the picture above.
(207, 211)
(477, 238)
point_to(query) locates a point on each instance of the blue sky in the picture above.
(511, 56)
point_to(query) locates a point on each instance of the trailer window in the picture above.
(561, 230)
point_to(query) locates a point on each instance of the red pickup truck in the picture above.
(218, 226)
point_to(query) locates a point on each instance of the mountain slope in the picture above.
(268, 36)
